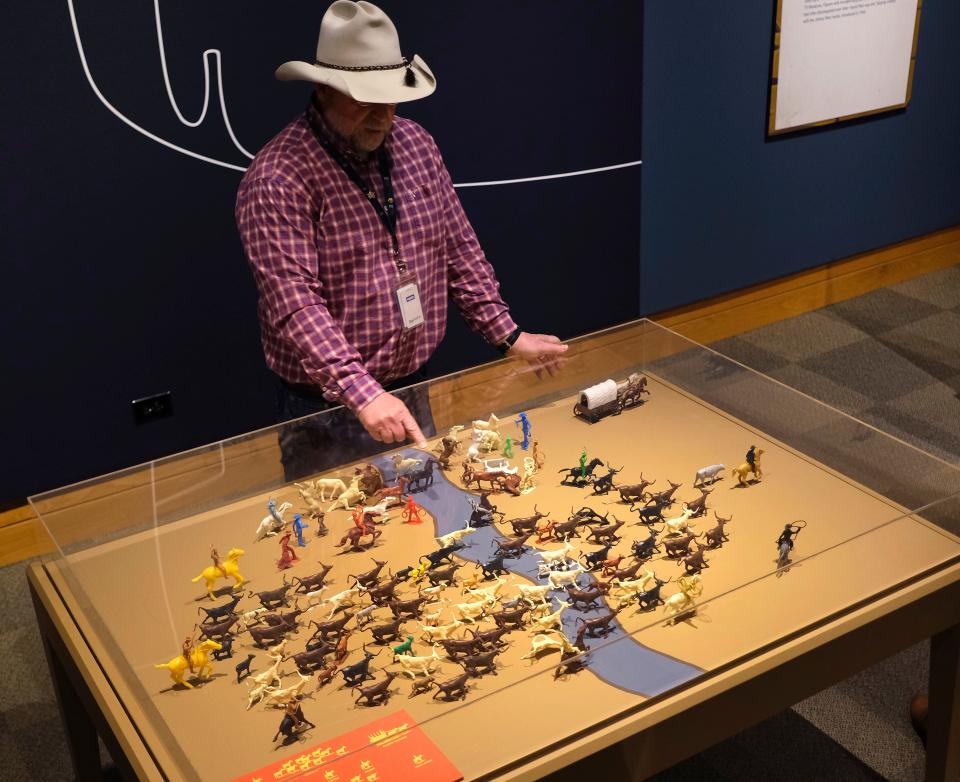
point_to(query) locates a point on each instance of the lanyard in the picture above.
(386, 212)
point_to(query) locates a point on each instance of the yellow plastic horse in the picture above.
(200, 658)
(230, 568)
(745, 469)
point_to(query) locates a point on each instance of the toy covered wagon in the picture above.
(610, 397)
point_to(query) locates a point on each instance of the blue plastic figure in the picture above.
(298, 527)
(524, 424)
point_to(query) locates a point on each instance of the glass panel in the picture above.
(865, 513)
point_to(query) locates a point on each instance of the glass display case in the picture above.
(647, 577)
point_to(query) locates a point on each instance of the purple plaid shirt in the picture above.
(323, 262)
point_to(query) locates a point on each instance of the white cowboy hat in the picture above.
(358, 54)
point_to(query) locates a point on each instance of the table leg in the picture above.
(79, 729)
(943, 719)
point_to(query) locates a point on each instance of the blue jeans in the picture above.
(316, 435)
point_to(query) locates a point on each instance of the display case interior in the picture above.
(633, 551)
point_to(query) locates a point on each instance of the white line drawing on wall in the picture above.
(129, 122)
(217, 57)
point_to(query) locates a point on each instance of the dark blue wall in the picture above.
(123, 274)
(724, 207)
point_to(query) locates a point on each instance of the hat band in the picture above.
(363, 67)
(409, 78)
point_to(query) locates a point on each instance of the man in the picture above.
(356, 237)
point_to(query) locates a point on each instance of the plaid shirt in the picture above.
(323, 262)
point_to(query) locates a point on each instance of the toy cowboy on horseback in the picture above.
(215, 556)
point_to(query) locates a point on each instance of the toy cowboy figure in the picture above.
(358, 518)
(188, 651)
(321, 525)
(524, 423)
(538, 456)
(215, 556)
(272, 509)
(583, 463)
(287, 555)
(411, 513)
(752, 457)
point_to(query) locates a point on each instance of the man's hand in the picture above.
(541, 351)
(387, 419)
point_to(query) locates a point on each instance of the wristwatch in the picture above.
(509, 340)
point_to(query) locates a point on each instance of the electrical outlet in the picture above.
(152, 408)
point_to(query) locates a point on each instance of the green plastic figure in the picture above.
(508, 448)
(406, 647)
(583, 463)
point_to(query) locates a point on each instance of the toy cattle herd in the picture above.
(448, 609)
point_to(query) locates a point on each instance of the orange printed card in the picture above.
(391, 749)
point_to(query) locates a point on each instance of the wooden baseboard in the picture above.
(759, 305)
(22, 535)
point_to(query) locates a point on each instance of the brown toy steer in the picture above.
(716, 537)
(564, 530)
(635, 491)
(626, 573)
(332, 627)
(479, 664)
(265, 635)
(452, 689)
(664, 497)
(273, 598)
(382, 593)
(311, 583)
(408, 609)
(388, 631)
(609, 566)
(443, 575)
(587, 598)
(370, 577)
(217, 630)
(678, 547)
(509, 619)
(696, 562)
(375, 694)
(606, 533)
(699, 505)
(599, 626)
(454, 647)
(325, 675)
(493, 637)
(512, 548)
(527, 524)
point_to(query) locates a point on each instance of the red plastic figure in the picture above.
(411, 512)
(287, 555)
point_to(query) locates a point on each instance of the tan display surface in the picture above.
(141, 585)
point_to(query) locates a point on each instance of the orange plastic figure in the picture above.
(358, 517)
(411, 512)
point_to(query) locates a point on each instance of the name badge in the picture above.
(411, 310)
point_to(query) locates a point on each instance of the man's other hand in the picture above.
(388, 420)
(542, 351)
